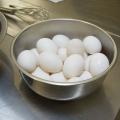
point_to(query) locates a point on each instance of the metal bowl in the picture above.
(72, 28)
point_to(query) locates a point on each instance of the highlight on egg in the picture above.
(36, 55)
(74, 79)
(61, 40)
(92, 44)
(27, 60)
(62, 53)
(46, 44)
(85, 75)
(99, 63)
(50, 62)
(87, 63)
(73, 66)
(39, 73)
(75, 46)
(58, 77)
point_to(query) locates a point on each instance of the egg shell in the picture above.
(99, 63)
(27, 60)
(92, 44)
(58, 77)
(85, 55)
(62, 52)
(73, 66)
(75, 46)
(50, 62)
(73, 79)
(85, 75)
(87, 63)
(36, 55)
(61, 40)
(46, 44)
(39, 73)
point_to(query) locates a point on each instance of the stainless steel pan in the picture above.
(72, 28)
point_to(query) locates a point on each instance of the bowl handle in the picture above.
(3, 26)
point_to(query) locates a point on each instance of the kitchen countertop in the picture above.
(17, 101)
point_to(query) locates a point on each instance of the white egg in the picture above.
(46, 44)
(62, 52)
(58, 77)
(61, 40)
(27, 60)
(73, 66)
(92, 44)
(85, 75)
(39, 73)
(85, 55)
(50, 62)
(74, 79)
(75, 46)
(99, 63)
(87, 62)
(36, 55)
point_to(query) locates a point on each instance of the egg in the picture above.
(62, 52)
(73, 66)
(87, 63)
(36, 55)
(73, 79)
(46, 44)
(27, 60)
(85, 75)
(85, 55)
(75, 46)
(99, 63)
(61, 40)
(58, 77)
(92, 44)
(50, 62)
(39, 73)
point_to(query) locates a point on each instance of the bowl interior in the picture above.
(72, 28)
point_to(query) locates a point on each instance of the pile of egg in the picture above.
(63, 60)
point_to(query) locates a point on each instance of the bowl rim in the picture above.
(3, 30)
(64, 83)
